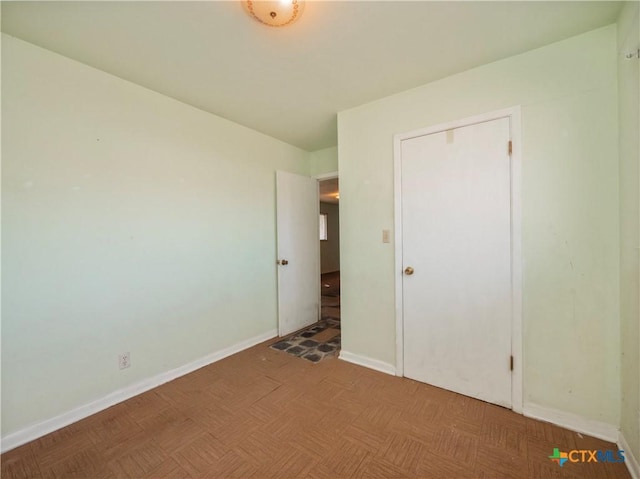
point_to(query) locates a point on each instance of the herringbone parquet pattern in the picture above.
(266, 414)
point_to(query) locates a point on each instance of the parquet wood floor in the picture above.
(266, 414)
(330, 295)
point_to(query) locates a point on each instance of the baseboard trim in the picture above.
(40, 429)
(574, 422)
(629, 459)
(368, 362)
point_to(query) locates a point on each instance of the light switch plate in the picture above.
(386, 236)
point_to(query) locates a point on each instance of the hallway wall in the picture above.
(330, 249)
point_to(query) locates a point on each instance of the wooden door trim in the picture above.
(516, 238)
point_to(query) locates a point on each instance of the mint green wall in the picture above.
(323, 161)
(131, 222)
(629, 108)
(570, 230)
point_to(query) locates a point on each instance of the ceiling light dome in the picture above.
(274, 13)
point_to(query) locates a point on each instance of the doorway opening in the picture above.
(329, 193)
(315, 335)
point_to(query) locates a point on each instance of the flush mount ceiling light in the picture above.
(274, 13)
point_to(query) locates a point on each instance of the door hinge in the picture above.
(510, 147)
(511, 363)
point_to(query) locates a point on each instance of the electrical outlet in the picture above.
(124, 360)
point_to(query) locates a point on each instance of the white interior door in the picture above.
(298, 251)
(456, 236)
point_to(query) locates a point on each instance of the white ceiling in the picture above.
(290, 82)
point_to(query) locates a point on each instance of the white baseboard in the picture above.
(629, 459)
(40, 429)
(368, 362)
(574, 422)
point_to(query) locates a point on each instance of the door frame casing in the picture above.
(327, 176)
(514, 115)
